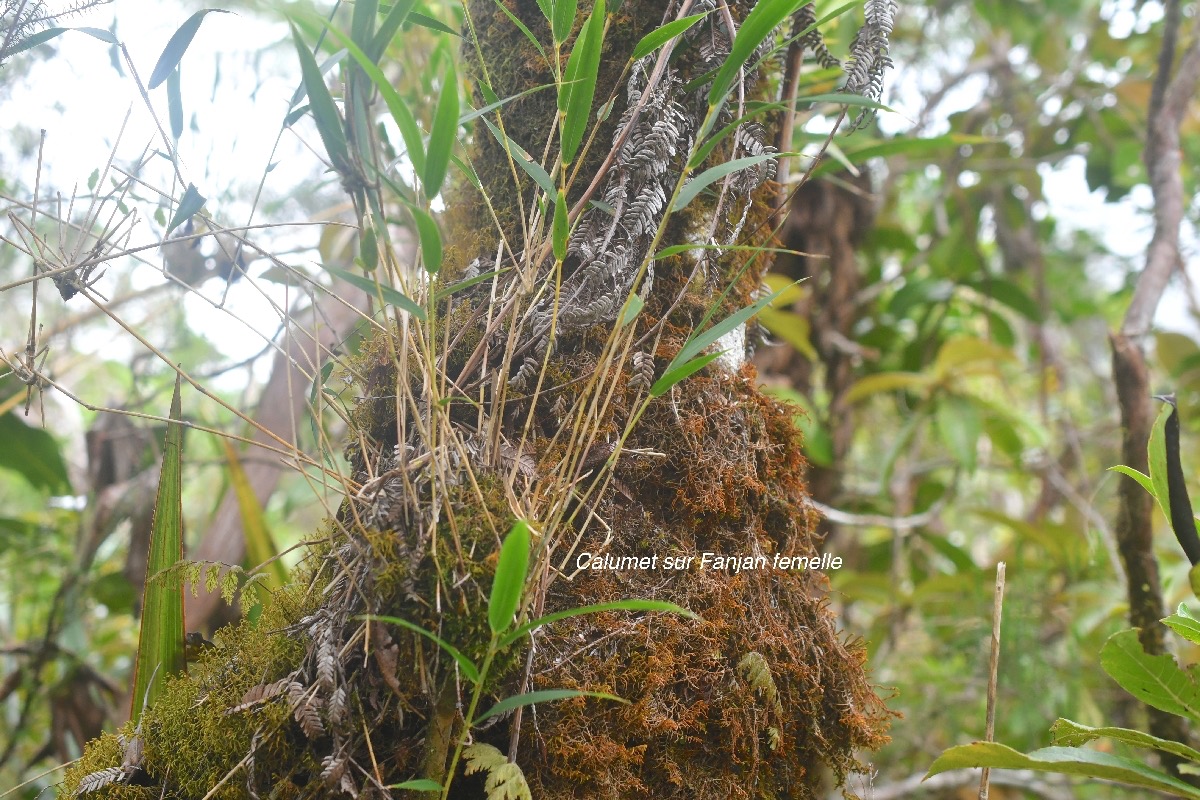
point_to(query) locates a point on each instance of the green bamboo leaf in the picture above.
(564, 19)
(326, 65)
(429, 22)
(756, 27)
(325, 113)
(697, 343)
(191, 202)
(543, 696)
(375, 289)
(430, 236)
(443, 134)
(465, 664)
(368, 249)
(260, 545)
(509, 582)
(160, 643)
(582, 70)
(704, 179)
(660, 36)
(597, 608)
(175, 104)
(547, 11)
(399, 109)
(177, 45)
(418, 785)
(1155, 680)
(633, 307)
(41, 37)
(362, 22)
(455, 288)
(490, 107)
(1064, 761)
(561, 228)
(675, 374)
(523, 159)
(522, 27)
(387, 30)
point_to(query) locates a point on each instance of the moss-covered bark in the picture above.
(753, 700)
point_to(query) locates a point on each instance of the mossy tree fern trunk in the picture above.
(530, 395)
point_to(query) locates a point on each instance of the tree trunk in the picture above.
(524, 398)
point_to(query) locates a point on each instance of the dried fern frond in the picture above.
(869, 56)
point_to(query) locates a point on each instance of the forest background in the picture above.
(949, 352)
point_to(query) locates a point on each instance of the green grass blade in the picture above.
(543, 696)
(403, 116)
(160, 643)
(362, 22)
(325, 113)
(387, 30)
(430, 237)
(443, 134)
(704, 179)
(597, 608)
(699, 342)
(375, 289)
(757, 26)
(560, 228)
(523, 159)
(675, 374)
(509, 582)
(660, 36)
(177, 45)
(260, 545)
(465, 664)
(522, 27)
(175, 104)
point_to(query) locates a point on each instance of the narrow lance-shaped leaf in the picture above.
(362, 22)
(177, 45)
(709, 176)
(386, 293)
(430, 236)
(518, 153)
(175, 104)
(660, 36)
(41, 37)
(582, 69)
(465, 664)
(560, 227)
(403, 116)
(675, 374)
(757, 26)
(564, 18)
(260, 545)
(191, 202)
(509, 582)
(325, 113)
(443, 134)
(698, 342)
(160, 644)
(388, 28)
(543, 696)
